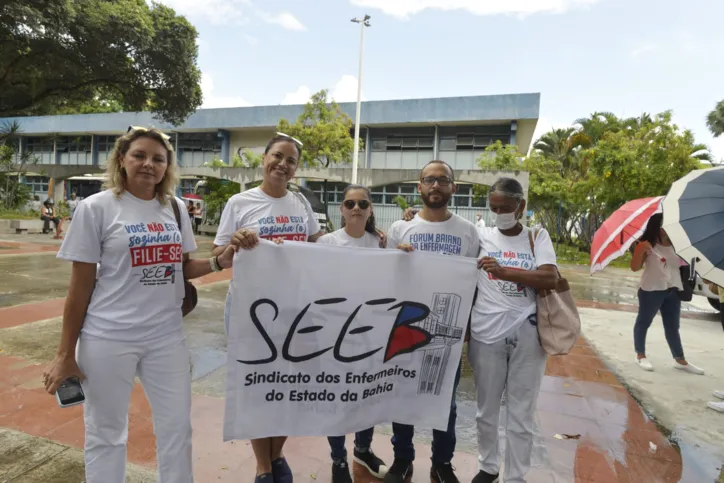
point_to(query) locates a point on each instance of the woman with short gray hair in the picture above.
(504, 350)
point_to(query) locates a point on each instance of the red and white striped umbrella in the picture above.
(621, 230)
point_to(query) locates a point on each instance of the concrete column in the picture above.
(514, 133)
(436, 144)
(368, 148)
(58, 190)
(56, 154)
(178, 153)
(94, 149)
(225, 145)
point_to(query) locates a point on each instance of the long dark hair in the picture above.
(653, 230)
(370, 226)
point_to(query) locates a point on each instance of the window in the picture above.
(465, 142)
(37, 184)
(379, 144)
(409, 143)
(106, 143)
(448, 144)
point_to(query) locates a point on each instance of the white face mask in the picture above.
(505, 221)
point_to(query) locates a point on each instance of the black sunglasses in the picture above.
(442, 181)
(350, 204)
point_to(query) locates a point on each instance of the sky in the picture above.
(622, 56)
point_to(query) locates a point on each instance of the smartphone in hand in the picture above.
(70, 393)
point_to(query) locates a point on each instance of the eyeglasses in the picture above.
(350, 204)
(301, 144)
(145, 129)
(442, 181)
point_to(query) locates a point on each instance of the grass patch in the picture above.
(19, 215)
(572, 255)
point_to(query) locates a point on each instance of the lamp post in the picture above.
(364, 22)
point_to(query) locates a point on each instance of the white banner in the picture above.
(325, 340)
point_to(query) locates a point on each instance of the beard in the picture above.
(443, 201)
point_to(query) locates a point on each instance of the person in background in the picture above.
(123, 309)
(190, 209)
(72, 204)
(504, 349)
(35, 203)
(660, 281)
(481, 222)
(48, 214)
(434, 229)
(358, 231)
(198, 217)
(718, 405)
(261, 213)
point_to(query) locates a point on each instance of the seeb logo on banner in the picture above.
(319, 352)
(416, 327)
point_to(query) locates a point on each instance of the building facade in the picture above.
(398, 135)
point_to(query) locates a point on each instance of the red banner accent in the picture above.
(156, 254)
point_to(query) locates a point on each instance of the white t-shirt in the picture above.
(454, 236)
(139, 285)
(501, 307)
(289, 217)
(480, 223)
(661, 270)
(72, 205)
(341, 238)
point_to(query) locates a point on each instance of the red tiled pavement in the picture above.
(26, 313)
(20, 248)
(612, 436)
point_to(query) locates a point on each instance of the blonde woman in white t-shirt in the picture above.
(358, 231)
(660, 281)
(123, 310)
(504, 349)
(272, 212)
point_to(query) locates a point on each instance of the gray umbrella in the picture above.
(694, 220)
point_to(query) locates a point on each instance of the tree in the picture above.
(58, 54)
(13, 193)
(715, 120)
(324, 130)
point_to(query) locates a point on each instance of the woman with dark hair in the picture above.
(504, 348)
(358, 221)
(272, 212)
(660, 282)
(358, 230)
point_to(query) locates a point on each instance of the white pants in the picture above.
(515, 365)
(110, 368)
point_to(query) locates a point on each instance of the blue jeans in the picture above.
(443, 442)
(666, 301)
(362, 441)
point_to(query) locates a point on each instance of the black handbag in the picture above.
(688, 280)
(191, 296)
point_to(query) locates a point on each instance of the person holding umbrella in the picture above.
(660, 282)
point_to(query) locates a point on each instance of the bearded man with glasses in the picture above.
(434, 229)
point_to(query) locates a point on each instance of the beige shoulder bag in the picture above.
(559, 324)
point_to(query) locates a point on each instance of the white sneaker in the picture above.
(644, 364)
(719, 394)
(716, 406)
(690, 368)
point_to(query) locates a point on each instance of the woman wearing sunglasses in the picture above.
(358, 230)
(272, 212)
(123, 310)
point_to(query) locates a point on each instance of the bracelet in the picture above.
(214, 262)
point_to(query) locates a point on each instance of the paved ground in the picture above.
(581, 396)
